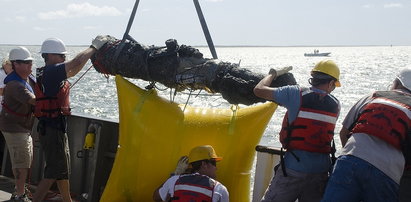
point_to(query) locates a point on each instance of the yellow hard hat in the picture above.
(330, 68)
(204, 152)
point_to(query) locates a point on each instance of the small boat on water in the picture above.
(317, 54)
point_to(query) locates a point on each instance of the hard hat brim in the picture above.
(218, 158)
(338, 84)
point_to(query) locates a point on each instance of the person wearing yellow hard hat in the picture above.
(16, 117)
(194, 179)
(306, 134)
(376, 140)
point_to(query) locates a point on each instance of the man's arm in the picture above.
(77, 63)
(32, 101)
(157, 197)
(351, 118)
(263, 89)
(22, 94)
(344, 135)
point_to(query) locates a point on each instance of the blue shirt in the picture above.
(310, 162)
(53, 75)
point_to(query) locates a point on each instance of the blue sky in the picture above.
(231, 22)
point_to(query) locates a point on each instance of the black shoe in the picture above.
(27, 192)
(22, 198)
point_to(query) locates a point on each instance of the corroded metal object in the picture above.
(182, 67)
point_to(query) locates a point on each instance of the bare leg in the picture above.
(42, 189)
(20, 175)
(64, 188)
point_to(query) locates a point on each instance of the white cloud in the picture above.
(393, 5)
(214, 0)
(79, 10)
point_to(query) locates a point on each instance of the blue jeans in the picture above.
(354, 179)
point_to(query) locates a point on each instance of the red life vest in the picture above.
(387, 116)
(313, 129)
(54, 106)
(194, 188)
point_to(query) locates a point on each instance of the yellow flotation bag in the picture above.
(155, 133)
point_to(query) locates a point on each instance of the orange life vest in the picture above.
(387, 116)
(313, 129)
(194, 188)
(52, 106)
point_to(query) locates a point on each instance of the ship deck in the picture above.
(6, 188)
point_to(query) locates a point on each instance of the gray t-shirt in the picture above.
(375, 151)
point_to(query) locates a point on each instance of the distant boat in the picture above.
(317, 54)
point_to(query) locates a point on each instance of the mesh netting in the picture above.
(182, 67)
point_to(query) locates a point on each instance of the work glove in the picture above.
(182, 165)
(99, 41)
(277, 73)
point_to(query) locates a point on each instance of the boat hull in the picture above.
(316, 54)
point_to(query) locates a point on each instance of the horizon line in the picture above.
(241, 45)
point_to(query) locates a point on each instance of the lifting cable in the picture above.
(71, 86)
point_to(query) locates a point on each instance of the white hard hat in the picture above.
(20, 53)
(405, 78)
(53, 45)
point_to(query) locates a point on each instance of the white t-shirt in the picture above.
(220, 191)
(2, 77)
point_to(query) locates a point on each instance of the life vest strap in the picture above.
(46, 98)
(8, 109)
(51, 110)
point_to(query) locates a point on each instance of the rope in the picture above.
(185, 105)
(81, 76)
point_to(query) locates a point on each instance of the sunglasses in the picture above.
(24, 62)
(212, 162)
(61, 55)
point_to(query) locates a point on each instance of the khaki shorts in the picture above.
(20, 147)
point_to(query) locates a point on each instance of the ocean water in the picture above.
(363, 69)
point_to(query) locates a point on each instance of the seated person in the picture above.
(193, 179)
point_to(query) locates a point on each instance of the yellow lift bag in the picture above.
(155, 133)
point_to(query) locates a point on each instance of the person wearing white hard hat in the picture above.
(306, 134)
(376, 141)
(16, 118)
(194, 179)
(52, 107)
